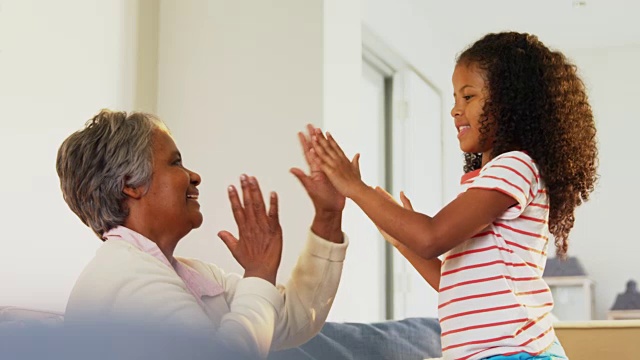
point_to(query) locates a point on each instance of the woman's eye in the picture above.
(468, 97)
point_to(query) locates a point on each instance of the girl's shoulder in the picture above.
(517, 157)
(517, 162)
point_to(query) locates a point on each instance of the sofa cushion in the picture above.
(411, 338)
(11, 316)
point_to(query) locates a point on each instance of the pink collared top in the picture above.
(197, 284)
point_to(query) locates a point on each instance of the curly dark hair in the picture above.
(537, 103)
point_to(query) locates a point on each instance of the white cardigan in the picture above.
(123, 282)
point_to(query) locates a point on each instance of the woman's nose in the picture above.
(195, 178)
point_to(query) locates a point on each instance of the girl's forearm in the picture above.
(412, 229)
(428, 269)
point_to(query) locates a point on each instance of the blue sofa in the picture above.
(412, 338)
(30, 334)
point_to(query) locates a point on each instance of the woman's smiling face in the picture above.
(171, 200)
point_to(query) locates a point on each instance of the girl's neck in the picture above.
(486, 157)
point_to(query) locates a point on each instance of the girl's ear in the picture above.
(133, 192)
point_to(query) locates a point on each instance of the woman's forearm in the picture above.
(328, 225)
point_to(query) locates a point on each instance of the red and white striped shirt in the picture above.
(492, 298)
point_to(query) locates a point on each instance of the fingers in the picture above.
(328, 155)
(334, 146)
(306, 143)
(325, 148)
(247, 199)
(274, 219)
(356, 163)
(313, 160)
(229, 240)
(252, 209)
(306, 146)
(302, 177)
(236, 206)
(324, 143)
(321, 150)
(316, 161)
(258, 201)
(311, 130)
(405, 201)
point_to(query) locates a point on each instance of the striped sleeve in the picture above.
(513, 173)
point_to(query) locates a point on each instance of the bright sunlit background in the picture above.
(236, 79)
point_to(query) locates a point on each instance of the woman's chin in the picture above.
(197, 221)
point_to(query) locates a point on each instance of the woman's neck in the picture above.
(166, 244)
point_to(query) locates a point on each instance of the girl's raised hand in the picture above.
(323, 194)
(407, 205)
(343, 173)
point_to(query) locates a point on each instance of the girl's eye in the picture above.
(468, 97)
(178, 162)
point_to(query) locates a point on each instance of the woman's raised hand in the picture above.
(258, 247)
(323, 194)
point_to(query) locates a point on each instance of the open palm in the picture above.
(324, 195)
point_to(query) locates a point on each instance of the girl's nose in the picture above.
(456, 111)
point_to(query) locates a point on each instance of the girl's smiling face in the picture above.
(470, 92)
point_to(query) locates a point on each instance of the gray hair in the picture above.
(94, 165)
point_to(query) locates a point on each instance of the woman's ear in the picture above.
(133, 192)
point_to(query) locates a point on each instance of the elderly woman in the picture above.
(123, 176)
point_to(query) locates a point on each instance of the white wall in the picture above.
(60, 63)
(234, 94)
(605, 235)
(237, 81)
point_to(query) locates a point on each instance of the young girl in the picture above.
(529, 138)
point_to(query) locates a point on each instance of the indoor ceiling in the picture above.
(566, 24)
